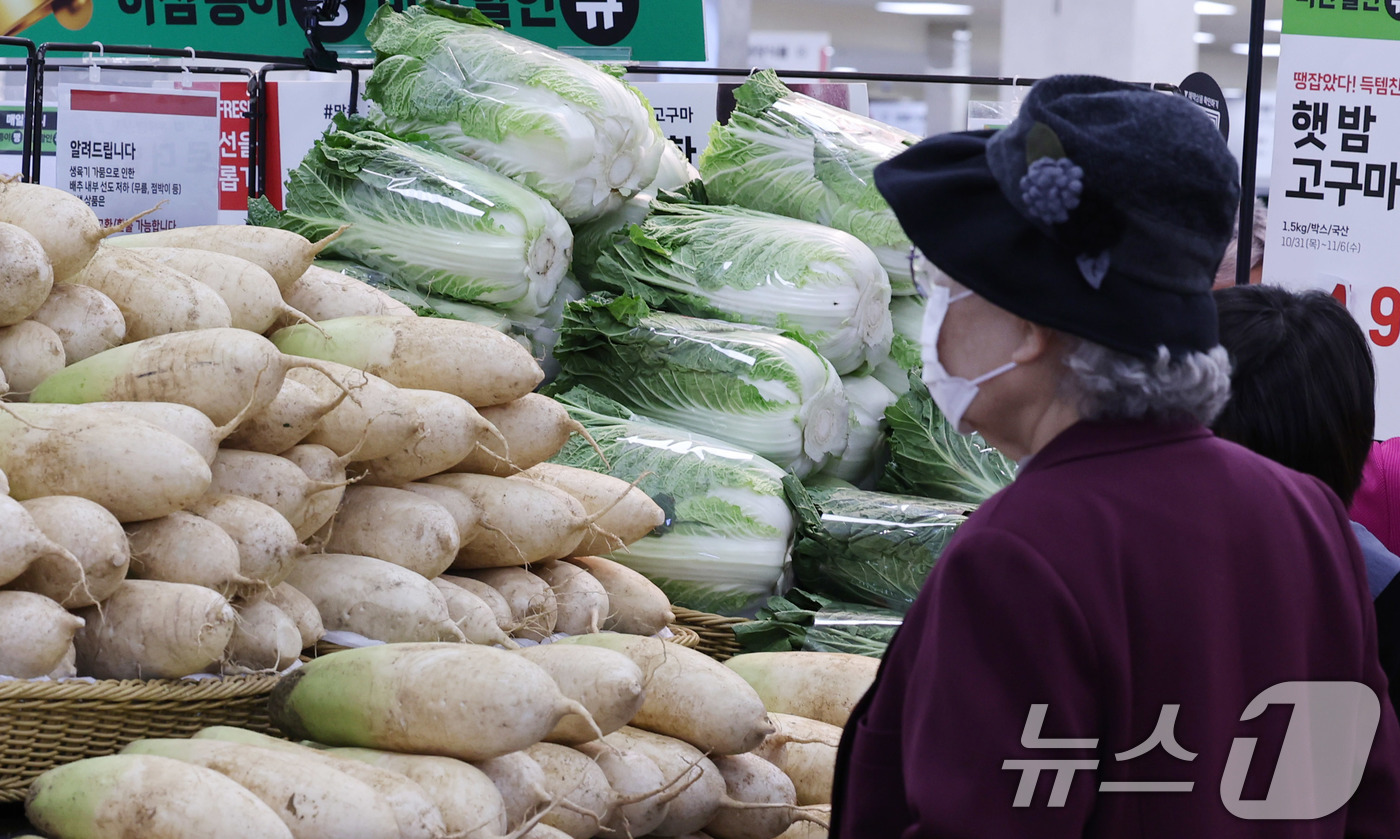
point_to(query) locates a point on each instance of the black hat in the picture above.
(1103, 211)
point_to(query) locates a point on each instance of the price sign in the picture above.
(298, 114)
(1335, 186)
(124, 150)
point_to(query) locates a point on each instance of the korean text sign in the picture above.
(1334, 204)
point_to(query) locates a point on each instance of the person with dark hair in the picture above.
(1303, 393)
(1121, 616)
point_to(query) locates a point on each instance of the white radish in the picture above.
(456, 700)
(68, 666)
(95, 539)
(26, 275)
(582, 601)
(253, 298)
(699, 789)
(314, 800)
(689, 695)
(533, 607)
(475, 362)
(535, 428)
(641, 796)
(281, 253)
(464, 511)
(275, 481)
(521, 784)
(286, 421)
(265, 638)
(267, 543)
(522, 521)
(414, 812)
(64, 226)
(29, 353)
(85, 319)
(396, 526)
(327, 470)
(189, 424)
(299, 608)
(500, 607)
(448, 428)
(805, 750)
(470, 805)
(373, 421)
(145, 472)
(636, 606)
(22, 543)
(373, 598)
(154, 630)
(153, 299)
(751, 780)
(574, 779)
(324, 294)
(184, 548)
(619, 522)
(146, 796)
(35, 634)
(608, 684)
(818, 686)
(225, 373)
(472, 615)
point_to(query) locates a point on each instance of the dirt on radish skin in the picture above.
(805, 750)
(286, 421)
(373, 421)
(521, 784)
(153, 299)
(299, 608)
(576, 780)
(581, 600)
(154, 630)
(281, 253)
(35, 634)
(394, 525)
(323, 294)
(95, 539)
(522, 521)
(29, 353)
(267, 544)
(534, 427)
(609, 684)
(472, 615)
(464, 511)
(500, 607)
(265, 638)
(374, 598)
(275, 481)
(85, 320)
(636, 606)
(63, 225)
(185, 548)
(326, 470)
(448, 428)
(26, 275)
(533, 607)
(22, 543)
(625, 513)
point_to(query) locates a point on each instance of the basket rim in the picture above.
(227, 687)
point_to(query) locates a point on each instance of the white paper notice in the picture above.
(124, 150)
(1334, 207)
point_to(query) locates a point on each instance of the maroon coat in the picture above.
(1130, 566)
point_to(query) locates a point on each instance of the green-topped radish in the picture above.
(314, 801)
(267, 543)
(92, 536)
(134, 469)
(146, 796)
(324, 294)
(29, 353)
(374, 598)
(26, 275)
(154, 630)
(534, 427)
(448, 427)
(533, 607)
(265, 638)
(392, 697)
(286, 421)
(35, 634)
(281, 253)
(185, 548)
(85, 320)
(582, 602)
(689, 695)
(394, 525)
(818, 686)
(254, 300)
(153, 299)
(636, 606)
(475, 362)
(609, 684)
(225, 373)
(472, 615)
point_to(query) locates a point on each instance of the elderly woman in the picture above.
(1080, 662)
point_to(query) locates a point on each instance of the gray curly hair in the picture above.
(1108, 384)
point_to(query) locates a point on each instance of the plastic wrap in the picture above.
(786, 153)
(871, 548)
(747, 385)
(930, 459)
(820, 285)
(568, 130)
(805, 621)
(724, 545)
(864, 458)
(437, 224)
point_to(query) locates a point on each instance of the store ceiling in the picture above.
(1227, 29)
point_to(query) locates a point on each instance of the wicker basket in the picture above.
(716, 632)
(47, 724)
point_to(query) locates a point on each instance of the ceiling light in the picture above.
(1273, 24)
(1204, 7)
(1204, 37)
(942, 9)
(1270, 50)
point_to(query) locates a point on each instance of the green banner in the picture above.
(618, 30)
(1370, 19)
(12, 129)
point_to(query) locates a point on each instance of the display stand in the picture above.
(31, 54)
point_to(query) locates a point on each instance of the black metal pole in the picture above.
(831, 75)
(1250, 163)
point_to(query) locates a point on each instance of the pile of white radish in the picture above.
(603, 734)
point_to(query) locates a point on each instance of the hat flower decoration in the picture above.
(1053, 188)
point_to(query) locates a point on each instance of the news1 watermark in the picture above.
(1319, 768)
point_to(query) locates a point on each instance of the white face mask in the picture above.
(952, 394)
